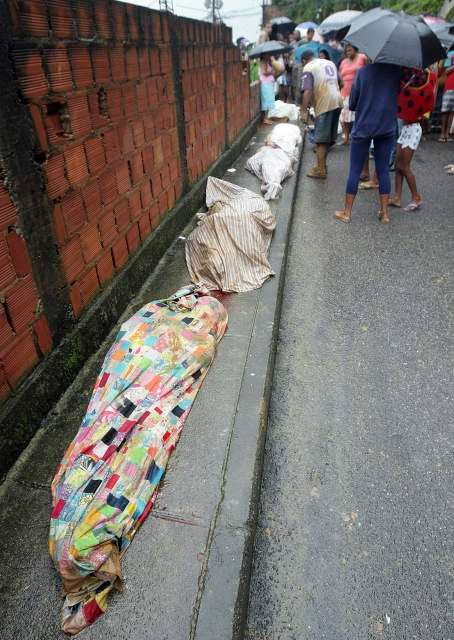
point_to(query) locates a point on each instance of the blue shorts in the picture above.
(325, 131)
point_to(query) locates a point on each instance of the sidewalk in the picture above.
(187, 572)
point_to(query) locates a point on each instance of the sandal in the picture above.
(340, 215)
(441, 139)
(384, 219)
(368, 185)
(413, 206)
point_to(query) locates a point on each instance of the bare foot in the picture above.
(384, 217)
(267, 121)
(394, 202)
(342, 216)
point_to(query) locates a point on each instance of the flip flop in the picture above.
(340, 215)
(442, 140)
(394, 204)
(367, 185)
(413, 206)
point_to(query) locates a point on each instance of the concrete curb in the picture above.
(23, 413)
(223, 605)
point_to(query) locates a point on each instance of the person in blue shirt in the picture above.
(374, 100)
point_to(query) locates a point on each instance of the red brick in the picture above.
(6, 331)
(98, 110)
(138, 133)
(7, 209)
(72, 260)
(85, 18)
(148, 159)
(165, 177)
(107, 228)
(135, 207)
(34, 18)
(149, 125)
(95, 155)
(156, 184)
(81, 66)
(73, 211)
(58, 69)
(122, 216)
(38, 123)
(144, 226)
(79, 115)
(119, 21)
(141, 97)
(105, 267)
(174, 169)
(19, 254)
(154, 215)
(155, 66)
(111, 144)
(162, 203)
(21, 303)
(126, 138)
(145, 194)
(19, 358)
(60, 18)
(43, 335)
(100, 62)
(133, 24)
(136, 167)
(5, 389)
(120, 253)
(108, 187)
(30, 73)
(118, 64)
(158, 152)
(164, 56)
(171, 197)
(144, 63)
(59, 225)
(92, 199)
(76, 165)
(89, 286)
(76, 299)
(133, 238)
(7, 273)
(122, 177)
(90, 242)
(132, 63)
(129, 98)
(115, 104)
(102, 18)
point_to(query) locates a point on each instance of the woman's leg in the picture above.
(407, 156)
(444, 127)
(358, 154)
(382, 152)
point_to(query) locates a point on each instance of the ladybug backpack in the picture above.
(414, 102)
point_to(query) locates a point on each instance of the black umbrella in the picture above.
(395, 38)
(282, 25)
(270, 48)
(338, 22)
(444, 32)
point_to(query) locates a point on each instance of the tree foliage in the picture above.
(317, 10)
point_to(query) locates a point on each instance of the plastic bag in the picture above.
(284, 110)
(271, 165)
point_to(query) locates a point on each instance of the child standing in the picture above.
(269, 69)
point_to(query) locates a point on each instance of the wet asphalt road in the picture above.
(355, 536)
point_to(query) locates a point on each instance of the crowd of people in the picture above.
(381, 110)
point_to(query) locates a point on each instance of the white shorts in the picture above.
(410, 136)
(346, 115)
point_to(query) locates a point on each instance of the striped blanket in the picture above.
(107, 481)
(228, 250)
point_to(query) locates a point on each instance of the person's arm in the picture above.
(307, 87)
(354, 94)
(277, 67)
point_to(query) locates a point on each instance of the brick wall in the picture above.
(24, 332)
(129, 108)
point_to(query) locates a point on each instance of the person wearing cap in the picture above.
(320, 87)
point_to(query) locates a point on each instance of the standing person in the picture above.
(295, 38)
(307, 44)
(447, 104)
(265, 34)
(417, 96)
(320, 89)
(348, 69)
(373, 98)
(269, 69)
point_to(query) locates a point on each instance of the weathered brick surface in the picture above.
(97, 77)
(22, 338)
